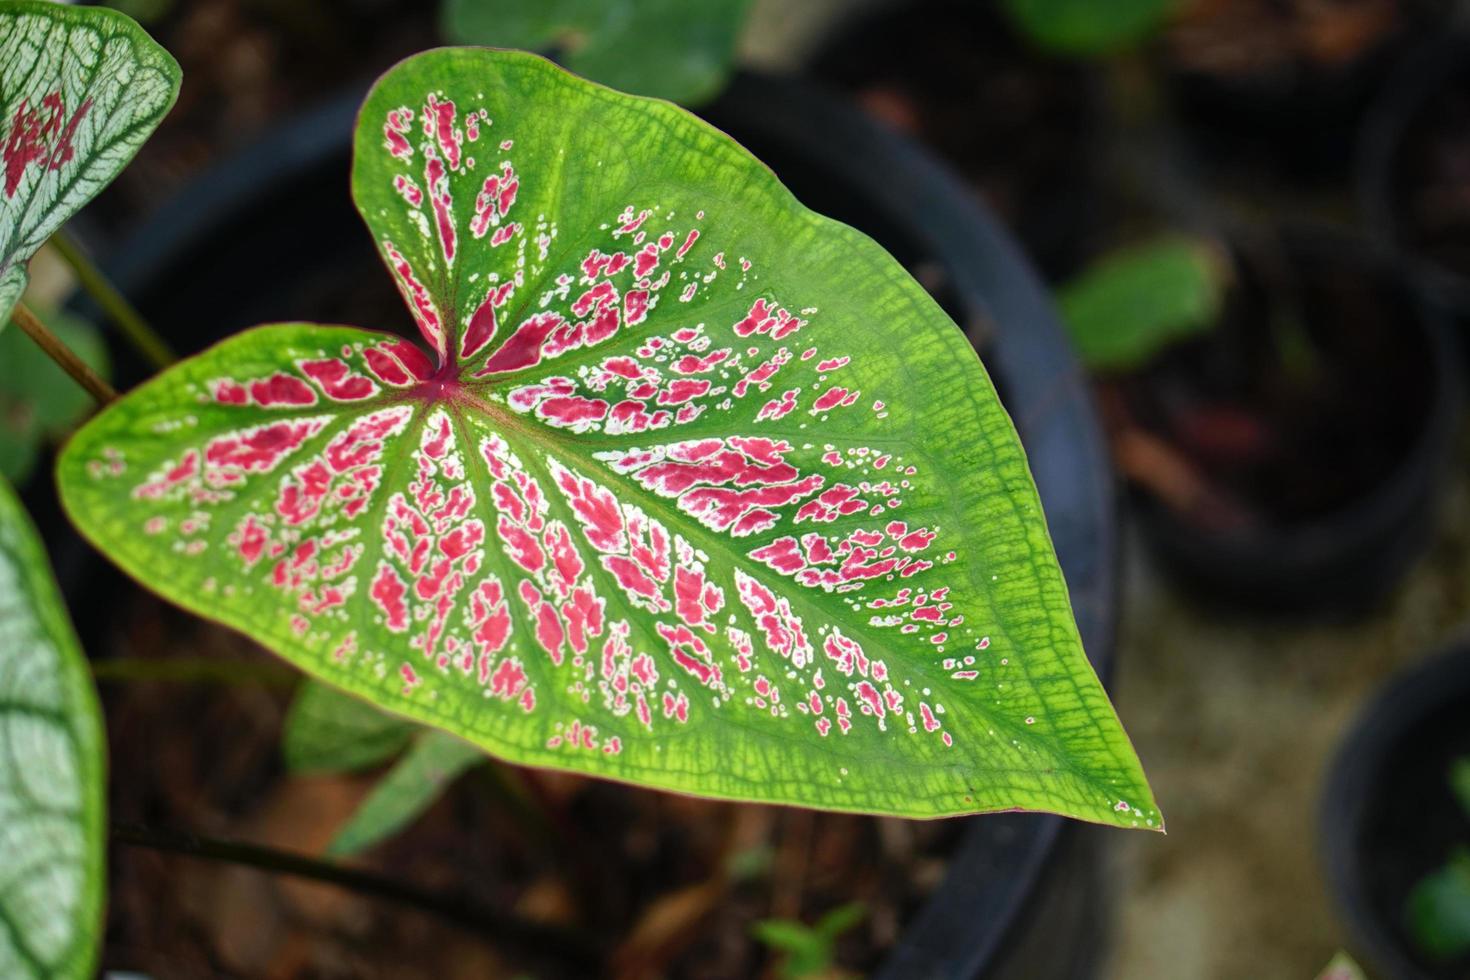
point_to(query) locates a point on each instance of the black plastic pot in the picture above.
(1426, 75)
(1295, 120)
(1388, 816)
(1344, 559)
(1024, 130)
(272, 235)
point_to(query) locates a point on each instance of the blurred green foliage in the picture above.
(1087, 28)
(669, 49)
(1131, 304)
(1437, 912)
(39, 403)
(808, 950)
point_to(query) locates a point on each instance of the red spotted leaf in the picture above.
(694, 488)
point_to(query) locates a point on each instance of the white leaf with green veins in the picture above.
(51, 771)
(82, 88)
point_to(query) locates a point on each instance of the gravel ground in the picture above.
(1237, 723)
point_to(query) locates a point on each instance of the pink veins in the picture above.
(418, 297)
(481, 328)
(494, 201)
(261, 448)
(388, 591)
(393, 133)
(438, 183)
(439, 122)
(767, 318)
(399, 363)
(338, 381)
(523, 348)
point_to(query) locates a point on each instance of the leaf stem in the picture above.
(529, 940)
(193, 669)
(62, 355)
(129, 321)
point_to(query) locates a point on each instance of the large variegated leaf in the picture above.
(51, 771)
(697, 489)
(82, 88)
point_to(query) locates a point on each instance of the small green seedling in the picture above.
(1088, 28)
(1132, 304)
(1437, 911)
(667, 49)
(809, 951)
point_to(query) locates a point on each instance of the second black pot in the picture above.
(1388, 816)
(272, 236)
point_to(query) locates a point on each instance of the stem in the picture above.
(530, 940)
(193, 669)
(62, 355)
(145, 339)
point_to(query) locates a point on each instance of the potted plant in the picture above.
(241, 433)
(1395, 822)
(1234, 377)
(834, 158)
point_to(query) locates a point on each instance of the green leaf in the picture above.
(418, 779)
(51, 776)
(82, 88)
(328, 731)
(842, 918)
(1132, 304)
(668, 49)
(38, 401)
(1342, 967)
(1460, 782)
(1437, 911)
(1085, 28)
(699, 490)
(809, 950)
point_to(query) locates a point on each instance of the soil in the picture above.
(1297, 404)
(669, 885)
(1413, 820)
(1021, 130)
(1431, 181)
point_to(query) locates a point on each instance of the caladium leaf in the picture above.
(697, 489)
(82, 88)
(51, 770)
(669, 49)
(328, 731)
(418, 779)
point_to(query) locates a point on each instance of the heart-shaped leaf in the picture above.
(669, 49)
(82, 88)
(699, 489)
(51, 770)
